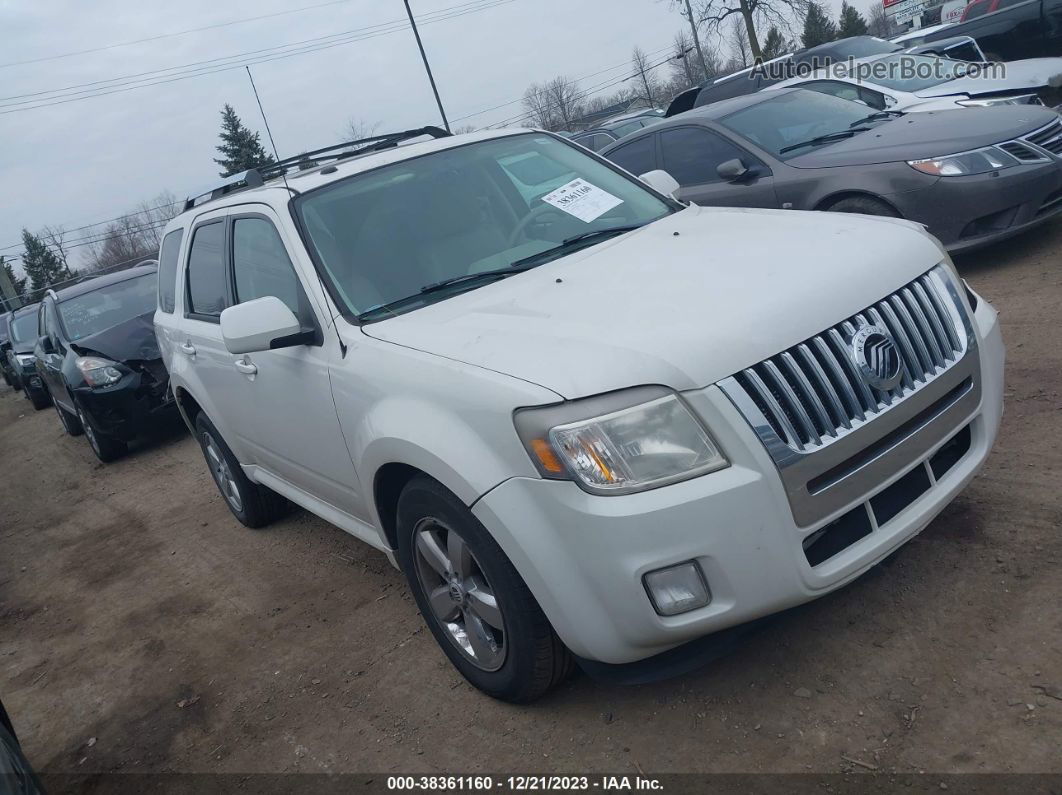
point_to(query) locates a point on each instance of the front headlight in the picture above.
(619, 443)
(98, 372)
(1023, 99)
(979, 161)
(25, 359)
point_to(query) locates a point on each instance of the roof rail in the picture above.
(255, 177)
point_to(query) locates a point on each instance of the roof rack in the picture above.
(255, 177)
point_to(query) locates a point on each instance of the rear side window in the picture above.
(261, 265)
(206, 271)
(171, 246)
(637, 157)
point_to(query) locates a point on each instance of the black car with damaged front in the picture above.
(100, 362)
(21, 328)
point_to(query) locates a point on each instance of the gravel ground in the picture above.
(143, 629)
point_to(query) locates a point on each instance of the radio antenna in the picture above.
(276, 154)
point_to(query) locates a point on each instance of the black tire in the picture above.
(253, 505)
(71, 424)
(106, 448)
(39, 398)
(7, 379)
(535, 659)
(865, 205)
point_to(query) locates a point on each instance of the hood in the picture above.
(133, 340)
(1031, 73)
(930, 134)
(683, 302)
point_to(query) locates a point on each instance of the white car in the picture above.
(592, 425)
(908, 82)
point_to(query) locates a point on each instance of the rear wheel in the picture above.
(71, 424)
(474, 601)
(106, 448)
(864, 205)
(39, 398)
(253, 505)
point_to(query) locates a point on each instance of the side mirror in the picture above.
(660, 181)
(47, 344)
(731, 170)
(260, 325)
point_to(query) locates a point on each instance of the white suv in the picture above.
(588, 422)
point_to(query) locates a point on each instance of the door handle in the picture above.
(187, 348)
(245, 367)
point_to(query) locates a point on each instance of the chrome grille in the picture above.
(1023, 152)
(1048, 137)
(813, 393)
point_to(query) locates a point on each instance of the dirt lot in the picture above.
(127, 591)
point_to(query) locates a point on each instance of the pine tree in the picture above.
(774, 45)
(42, 267)
(18, 284)
(818, 28)
(240, 148)
(851, 22)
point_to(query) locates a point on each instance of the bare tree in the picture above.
(780, 13)
(134, 236)
(879, 23)
(55, 238)
(464, 128)
(565, 97)
(647, 84)
(686, 10)
(356, 129)
(741, 56)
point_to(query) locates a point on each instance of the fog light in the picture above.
(677, 589)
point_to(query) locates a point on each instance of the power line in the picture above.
(248, 59)
(107, 221)
(171, 35)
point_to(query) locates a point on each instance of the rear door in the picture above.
(692, 154)
(284, 417)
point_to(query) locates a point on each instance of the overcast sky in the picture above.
(84, 161)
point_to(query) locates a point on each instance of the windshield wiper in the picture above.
(881, 114)
(568, 242)
(497, 273)
(824, 139)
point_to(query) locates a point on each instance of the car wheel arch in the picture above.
(826, 202)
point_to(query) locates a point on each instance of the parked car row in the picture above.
(597, 138)
(90, 351)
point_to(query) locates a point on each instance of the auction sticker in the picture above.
(581, 199)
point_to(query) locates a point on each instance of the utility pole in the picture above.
(427, 67)
(696, 39)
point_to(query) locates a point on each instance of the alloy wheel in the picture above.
(219, 468)
(90, 434)
(459, 593)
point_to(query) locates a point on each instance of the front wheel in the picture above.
(39, 398)
(864, 205)
(106, 448)
(474, 601)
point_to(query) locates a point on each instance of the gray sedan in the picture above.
(972, 176)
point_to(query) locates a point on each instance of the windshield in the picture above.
(794, 117)
(24, 327)
(384, 235)
(909, 72)
(855, 47)
(91, 313)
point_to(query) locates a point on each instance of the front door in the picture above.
(282, 411)
(692, 154)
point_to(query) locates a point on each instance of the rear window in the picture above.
(24, 327)
(107, 307)
(171, 246)
(206, 271)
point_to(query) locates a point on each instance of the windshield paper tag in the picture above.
(581, 199)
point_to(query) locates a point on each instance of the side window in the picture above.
(691, 154)
(42, 319)
(261, 265)
(171, 246)
(206, 270)
(637, 157)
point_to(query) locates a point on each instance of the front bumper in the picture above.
(968, 212)
(134, 405)
(584, 556)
